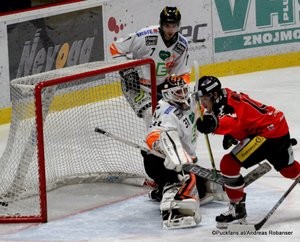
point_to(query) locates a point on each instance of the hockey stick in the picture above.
(127, 142)
(212, 161)
(258, 226)
(253, 175)
(195, 169)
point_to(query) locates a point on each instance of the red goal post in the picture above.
(52, 142)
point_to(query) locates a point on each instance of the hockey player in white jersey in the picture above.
(173, 134)
(165, 45)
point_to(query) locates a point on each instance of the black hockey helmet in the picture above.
(176, 91)
(170, 15)
(211, 86)
(207, 85)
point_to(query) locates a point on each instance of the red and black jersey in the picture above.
(249, 117)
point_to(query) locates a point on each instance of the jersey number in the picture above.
(152, 51)
(186, 122)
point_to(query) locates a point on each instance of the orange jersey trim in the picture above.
(114, 50)
(152, 137)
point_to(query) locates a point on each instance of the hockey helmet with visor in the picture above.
(207, 85)
(170, 15)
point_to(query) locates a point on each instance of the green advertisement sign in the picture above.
(235, 15)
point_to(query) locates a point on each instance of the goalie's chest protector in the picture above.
(184, 121)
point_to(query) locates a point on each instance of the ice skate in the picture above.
(236, 213)
(156, 194)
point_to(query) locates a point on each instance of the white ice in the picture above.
(118, 212)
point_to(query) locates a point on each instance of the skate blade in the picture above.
(232, 225)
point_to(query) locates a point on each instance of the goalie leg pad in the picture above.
(169, 193)
(175, 218)
(183, 214)
(179, 209)
(217, 191)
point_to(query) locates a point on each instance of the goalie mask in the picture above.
(176, 91)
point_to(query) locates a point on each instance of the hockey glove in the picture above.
(130, 78)
(208, 124)
(228, 141)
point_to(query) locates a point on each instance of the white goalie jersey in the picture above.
(148, 43)
(168, 117)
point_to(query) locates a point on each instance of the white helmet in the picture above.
(176, 91)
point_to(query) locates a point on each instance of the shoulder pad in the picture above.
(182, 40)
(169, 109)
(179, 48)
(178, 112)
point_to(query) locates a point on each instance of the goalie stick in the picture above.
(258, 226)
(253, 175)
(195, 169)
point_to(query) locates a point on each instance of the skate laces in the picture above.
(231, 210)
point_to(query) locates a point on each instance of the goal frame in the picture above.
(38, 89)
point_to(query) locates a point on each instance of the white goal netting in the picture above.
(74, 100)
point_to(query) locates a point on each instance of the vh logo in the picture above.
(235, 14)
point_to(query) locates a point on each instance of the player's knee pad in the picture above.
(292, 171)
(234, 187)
(233, 181)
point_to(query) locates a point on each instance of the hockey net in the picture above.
(52, 142)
